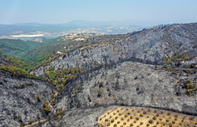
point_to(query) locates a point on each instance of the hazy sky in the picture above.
(62, 11)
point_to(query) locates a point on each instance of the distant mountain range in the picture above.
(77, 26)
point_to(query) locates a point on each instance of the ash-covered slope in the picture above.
(21, 99)
(131, 83)
(127, 84)
(147, 46)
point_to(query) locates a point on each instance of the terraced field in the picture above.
(144, 117)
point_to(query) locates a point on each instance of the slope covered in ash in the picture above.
(148, 46)
(126, 84)
(22, 99)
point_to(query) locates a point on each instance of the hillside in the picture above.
(16, 47)
(153, 68)
(22, 99)
(167, 44)
(50, 47)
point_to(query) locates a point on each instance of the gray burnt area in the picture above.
(128, 71)
(149, 46)
(128, 84)
(19, 101)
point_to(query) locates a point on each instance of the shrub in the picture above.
(38, 97)
(22, 124)
(115, 125)
(29, 84)
(150, 121)
(187, 70)
(124, 123)
(131, 124)
(96, 103)
(154, 118)
(134, 121)
(19, 117)
(63, 110)
(120, 114)
(106, 119)
(141, 123)
(165, 66)
(20, 87)
(122, 118)
(141, 115)
(4, 78)
(147, 124)
(29, 122)
(131, 117)
(112, 120)
(190, 86)
(59, 117)
(52, 95)
(137, 118)
(46, 108)
(173, 121)
(52, 101)
(116, 117)
(100, 84)
(169, 61)
(167, 120)
(108, 124)
(99, 92)
(125, 115)
(157, 122)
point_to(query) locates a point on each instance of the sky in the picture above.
(63, 11)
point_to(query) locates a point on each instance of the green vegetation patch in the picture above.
(189, 87)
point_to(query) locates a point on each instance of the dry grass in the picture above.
(135, 116)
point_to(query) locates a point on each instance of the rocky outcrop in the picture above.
(21, 99)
